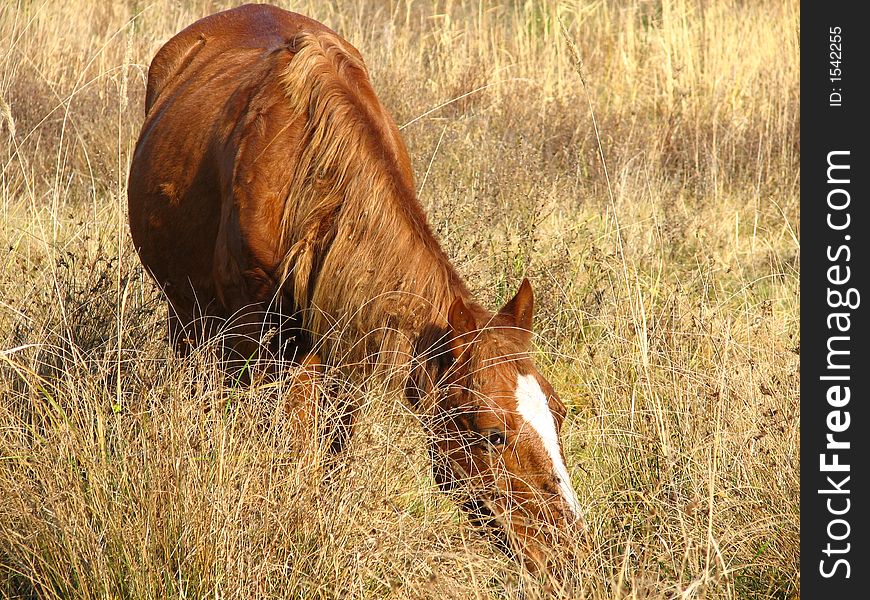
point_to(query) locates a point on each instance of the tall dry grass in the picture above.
(667, 310)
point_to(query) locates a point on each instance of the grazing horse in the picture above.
(271, 197)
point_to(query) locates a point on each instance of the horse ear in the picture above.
(521, 306)
(461, 323)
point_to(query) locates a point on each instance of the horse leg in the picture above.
(313, 405)
(342, 428)
(247, 343)
(303, 400)
(181, 334)
(320, 424)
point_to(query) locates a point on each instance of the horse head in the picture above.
(493, 422)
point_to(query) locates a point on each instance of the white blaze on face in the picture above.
(533, 407)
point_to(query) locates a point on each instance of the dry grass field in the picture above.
(666, 277)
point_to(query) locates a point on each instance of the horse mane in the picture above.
(354, 239)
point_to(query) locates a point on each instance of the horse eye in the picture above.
(495, 438)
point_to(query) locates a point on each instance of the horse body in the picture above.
(270, 189)
(261, 207)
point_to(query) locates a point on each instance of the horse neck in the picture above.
(385, 274)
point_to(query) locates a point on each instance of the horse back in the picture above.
(215, 166)
(210, 43)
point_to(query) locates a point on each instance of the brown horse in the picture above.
(271, 197)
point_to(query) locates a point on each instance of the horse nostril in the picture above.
(574, 519)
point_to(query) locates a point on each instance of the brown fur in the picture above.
(270, 191)
(361, 247)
